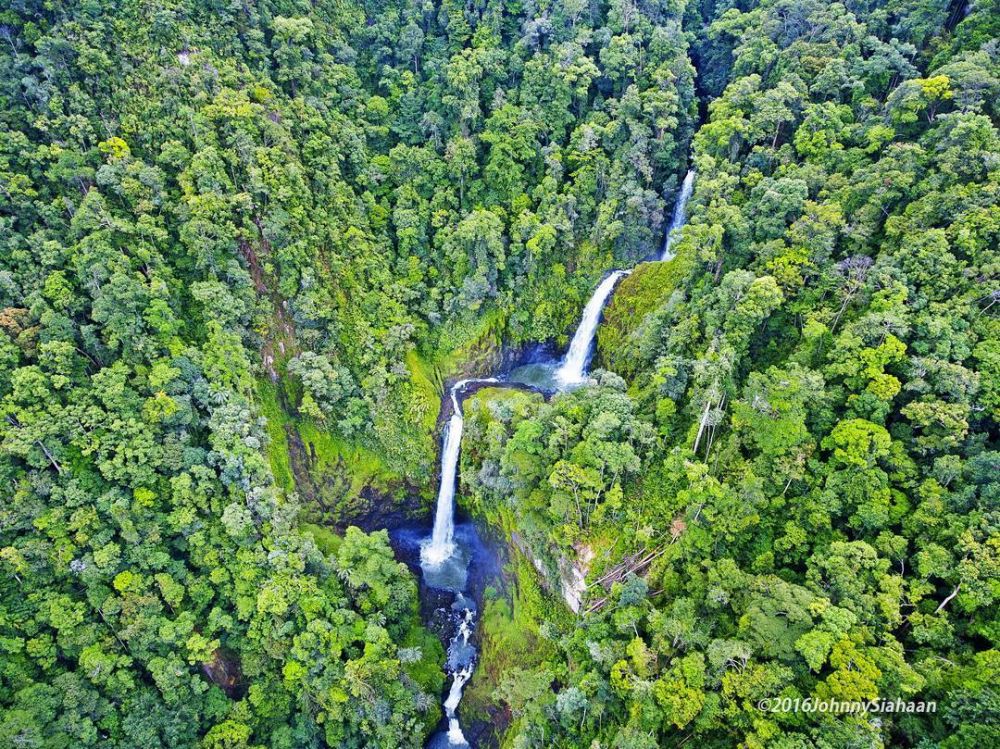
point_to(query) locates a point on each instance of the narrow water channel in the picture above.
(451, 600)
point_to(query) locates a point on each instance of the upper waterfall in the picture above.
(571, 371)
(679, 216)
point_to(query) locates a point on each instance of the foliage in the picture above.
(793, 492)
(243, 245)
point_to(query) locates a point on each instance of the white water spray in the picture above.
(459, 650)
(680, 215)
(442, 542)
(455, 735)
(574, 365)
(460, 665)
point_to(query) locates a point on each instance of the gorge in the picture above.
(443, 561)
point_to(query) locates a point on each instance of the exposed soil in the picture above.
(224, 671)
(279, 341)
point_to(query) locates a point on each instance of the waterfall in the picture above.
(443, 561)
(439, 552)
(680, 212)
(441, 545)
(574, 365)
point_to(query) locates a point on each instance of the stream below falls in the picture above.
(451, 601)
(453, 562)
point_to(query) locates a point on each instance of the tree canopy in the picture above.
(242, 246)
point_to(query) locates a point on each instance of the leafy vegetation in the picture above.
(641, 292)
(799, 470)
(243, 246)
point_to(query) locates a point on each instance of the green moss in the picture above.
(277, 447)
(364, 467)
(646, 289)
(533, 604)
(326, 540)
(473, 344)
(428, 385)
(516, 400)
(510, 637)
(328, 469)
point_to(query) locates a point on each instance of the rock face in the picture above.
(572, 580)
(573, 576)
(332, 497)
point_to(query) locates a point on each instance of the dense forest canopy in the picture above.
(234, 235)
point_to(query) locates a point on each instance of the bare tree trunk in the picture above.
(947, 600)
(704, 422)
(52, 460)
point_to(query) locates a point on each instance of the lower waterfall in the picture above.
(444, 564)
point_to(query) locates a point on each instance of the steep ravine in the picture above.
(447, 556)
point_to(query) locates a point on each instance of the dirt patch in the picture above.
(224, 671)
(279, 340)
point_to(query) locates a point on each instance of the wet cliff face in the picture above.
(333, 496)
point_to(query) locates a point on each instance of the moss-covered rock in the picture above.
(646, 289)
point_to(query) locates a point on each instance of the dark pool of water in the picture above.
(540, 375)
(451, 598)
(483, 566)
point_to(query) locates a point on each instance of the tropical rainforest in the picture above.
(244, 246)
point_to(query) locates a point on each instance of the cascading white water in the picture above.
(680, 214)
(439, 553)
(574, 365)
(461, 656)
(456, 737)
(441, 544)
